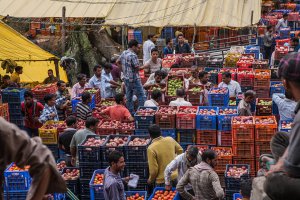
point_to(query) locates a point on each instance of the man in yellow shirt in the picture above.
(160, 152)
(15, 77)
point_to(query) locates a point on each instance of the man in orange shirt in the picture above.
(118, 112)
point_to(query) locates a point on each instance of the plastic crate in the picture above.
(89, 153)
(177, 196)
(96, 92)
(235, 183)
(141, 132)
(284, 129)
(132, 193)
(195, 98)
(248, 161)
(138, 36)
(186, 121)
(73, 185)
(206, 122)
(168, 32)
(243, 149)
(242, 132)
(142, 186)
(85, 188)
(229, 194)
(166, 121)
(87, 169)
(276, 87)
(59, 196)
(231, 70)
(215, 62)
(143, 122)
(16, 180)
(245, 79)
(206, 137)
(246, 88)
(185, 145)
(218, 99)
(16, 195)
(223, 160)
(263, 110)
(168, 133)
(261, 64)
(280, 53)
(265, 132)
(201, 59)
(224, 121)
(243, 64)
(262, 148)
(262, 92)
(96, 190)
(186, 135)
(12, 95)
(224, 138)
(213, 74)
(175, 77)
(136, 153)
(54, 149)
(138, 168)
(92, 105)
(284, 32)
(236, 196)
(262, 77)
(187, 60)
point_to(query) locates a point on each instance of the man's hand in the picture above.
(73, 161)
(168, 187)
(149, 182)
(126, 179)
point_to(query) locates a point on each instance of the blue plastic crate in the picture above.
(168, 133)
(141, 193)
(213, 77)
(297, 7)
(138, 36)
(224, 121)
(16, 180)
(136, 153)
(186, 135)
(17, 195)
(168, 32)
(92, 105)
(284, 129)
(282, 11)
(235, 183)
(59, 196)
(229, 194)
(254, 50)
(143, 122)
(141, 132)
(15, 109)
(206, 122)
(284, 33)
(276, 89)
(139, 168)
(218, 99)
(96, 191)
(13, 95)
(177, 196)
(85, 188)
(88, 153)
(237, 195)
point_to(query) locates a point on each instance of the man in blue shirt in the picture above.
(95, 81)
(108, 85)
(182, 47)
(286, 106)
(169, 48)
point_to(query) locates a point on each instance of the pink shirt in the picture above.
(77, 89)
(118, 112)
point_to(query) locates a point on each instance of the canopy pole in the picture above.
(63, 31)
(194, 36)
(56, 69)
(123, 42)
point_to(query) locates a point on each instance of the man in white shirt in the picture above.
(95, 81)
(233, 86)
(148, 46)
(180, 99)
(282, 23)
(155, 98)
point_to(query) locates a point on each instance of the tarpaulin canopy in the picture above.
(158, 13)
(34, 60)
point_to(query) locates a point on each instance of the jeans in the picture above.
(131, 87)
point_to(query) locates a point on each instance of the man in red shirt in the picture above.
(31, 110)
(118, 112)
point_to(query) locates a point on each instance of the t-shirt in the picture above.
(29, 117)
(83, 111)
(15, 77)
(118, 112)
(154, 66)
(65, 139)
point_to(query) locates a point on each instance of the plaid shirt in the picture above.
(60, 100)
(130, 65)
(45, 116)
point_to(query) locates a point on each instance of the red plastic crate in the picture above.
(195, 98)
(223, 160)
(243, 64)
(264, 132)
(248, 161)
(245, 79)
(166, 121)
(243, 133)
(263, 110)
(281, 51)
(262, 148)
(243, 149)
(186, 121)
(281, 42)
(262, 92)
(261, 64)
(224, 138)
(206, 137)
(293, 16)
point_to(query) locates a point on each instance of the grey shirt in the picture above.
(292, 162)
(113, 186)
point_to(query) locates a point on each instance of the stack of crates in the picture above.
(165, 118)
(218, 97)
(137, 161)
(4, 111)
(186, 124)
(276, 87)
(206, 122)
(96, 185)
(72, 184)
(168, 32)
(253, 49)
(265, 128)
(40, 91)
(243, 136)
(262, 82)
(213, 74)
(143, 121)
(245, 77)
(14, 97)
(224, 125)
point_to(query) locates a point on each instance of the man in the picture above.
(108, 85)
(286, 106)
(244, 107)
(296, 44)
(204, 180)
(155, 98)
(154, 63)
(31, 111)
(83, 110)
(180, 99)
(152, 78)
(246, 187)
(65, 138)
(182, 47)
(118, 112)
(148, 46)
(233, 86)
(130, 65)
(62, 100)
(282, 23)
(49, 111)
(160, 152)
(17, 147)
(8, 83)
(115, 72)
(286, 171)
(79, 87)
(90, 129)
(203, 76)
(15, 77)
(182, 163)
(268, 41)
(169, 48)
(156, 82)
(95, 81)
(194, 79)
(113, 183)
(51, 78)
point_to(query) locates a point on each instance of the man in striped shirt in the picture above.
(83, 110)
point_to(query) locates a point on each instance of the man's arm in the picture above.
(183, 182)
(216, 185)
(153, 166)
(238, 89)
(178, 148)
(242, 112)
(172, 166)
(279, 100)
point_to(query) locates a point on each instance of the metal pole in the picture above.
(63, 31)
(123, 42)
